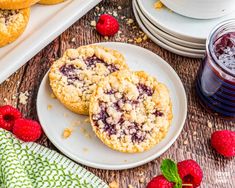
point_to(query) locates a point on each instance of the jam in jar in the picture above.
(215, 83)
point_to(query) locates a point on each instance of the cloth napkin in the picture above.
(30, 165)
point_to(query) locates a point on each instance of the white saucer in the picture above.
(168, 39)
(158, 32)
(161, 43)
(92, 152)
(193, 30)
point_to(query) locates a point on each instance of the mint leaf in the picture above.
(170, 172)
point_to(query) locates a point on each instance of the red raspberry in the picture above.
(190, 173)
(160, 182)
(8, 115)
(224, 142)
(27, 130)
(107, 25)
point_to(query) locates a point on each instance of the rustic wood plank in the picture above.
(218, 171)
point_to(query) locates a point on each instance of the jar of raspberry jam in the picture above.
(215, 83)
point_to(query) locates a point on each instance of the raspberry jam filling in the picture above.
(143, 89)
(92, 61)
(5, 15)
(120, 126)
(224, 49)
(70, 72)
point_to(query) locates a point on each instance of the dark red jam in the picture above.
(224, 49)
(215, 83)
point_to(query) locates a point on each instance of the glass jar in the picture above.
(215, 83)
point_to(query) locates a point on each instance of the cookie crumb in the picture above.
(23, 97)
(73, 39)
(5, 100)
(141, 180)
(119, 8)
(85, 149)
(67, 133)
(114, 184)
(130, 186)
(93, 23)
(106, 38)
(138, 40)
(194, 133)
(209, 124)
(186, 142)
(115, 14)
(97, 8)
(158, 5)
(49, 106)
(52, 96)
(145, 37)
(130, 21)
(65, 115)
(87, 120)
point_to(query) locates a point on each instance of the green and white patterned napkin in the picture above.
(30, 165)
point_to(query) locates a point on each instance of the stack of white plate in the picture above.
(179, 34)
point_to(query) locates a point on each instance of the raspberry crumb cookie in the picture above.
(130, 111)
(12, 24)
(16, 4)
(50, 2)
(73, 78)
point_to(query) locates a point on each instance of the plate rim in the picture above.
(167, 35)
(150, 17)
(128, 165)
(159, 42)
(165, 40)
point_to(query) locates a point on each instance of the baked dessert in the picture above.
(74, 77)
(130, 111)
(50, 2)
(16, 4)
(12, 24)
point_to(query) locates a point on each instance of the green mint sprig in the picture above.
(170, 172)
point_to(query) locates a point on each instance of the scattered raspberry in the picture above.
(190, 173)
(224, 142)
(8, 115)
(27, 130)
(160, 182)
(107, 25)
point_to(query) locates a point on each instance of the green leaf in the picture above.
(170, 172)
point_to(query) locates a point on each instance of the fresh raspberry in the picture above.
(8, 115)
(160, 182)
(190, 173)
(27, 130)
(107, 25)
(224, 142)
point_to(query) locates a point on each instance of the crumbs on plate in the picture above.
(67, 133)
(158, 5)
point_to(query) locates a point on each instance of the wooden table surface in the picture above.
(193, 142)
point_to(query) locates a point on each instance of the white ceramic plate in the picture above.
(189, 29)
(92, 152)
(46, 23)
(168, 39)
(158, 32)
(161, 43)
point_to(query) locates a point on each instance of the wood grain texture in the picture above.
(218, 171)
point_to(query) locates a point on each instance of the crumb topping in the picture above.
(74, 77)
(128, 108)
(8, 16)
